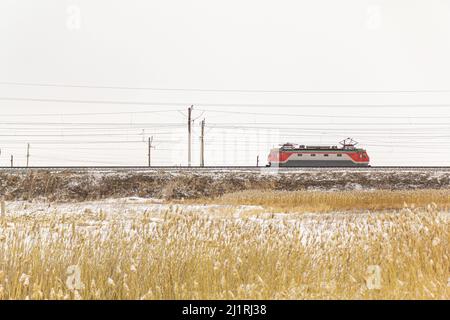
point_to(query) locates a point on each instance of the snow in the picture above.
(125, 207)
(99, 216)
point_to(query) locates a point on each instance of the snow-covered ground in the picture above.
(123, 207)
(100, 216)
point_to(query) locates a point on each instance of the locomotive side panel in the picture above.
(319, 159)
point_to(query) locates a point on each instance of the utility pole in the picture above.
(12, 161)
(257, 161)
(202, 145)
(28, 155)
(190, 134)
(150, 141)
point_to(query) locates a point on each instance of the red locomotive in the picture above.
(293, 155)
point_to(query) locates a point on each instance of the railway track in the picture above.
(221, 168)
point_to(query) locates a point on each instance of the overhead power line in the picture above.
(204, 104)
(63, 142)
(61, 114)
(325, 128)
(214, 90)
(135, 124)
(301, 124)
(321, 116)
(74, 135)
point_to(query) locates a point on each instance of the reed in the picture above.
(326, 201)
(402, 254)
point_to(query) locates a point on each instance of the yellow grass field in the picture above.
(328, 201)
(297, 245)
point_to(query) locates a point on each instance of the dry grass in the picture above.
(324, 201)
(176, 255)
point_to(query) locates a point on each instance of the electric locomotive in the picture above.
(294, 155)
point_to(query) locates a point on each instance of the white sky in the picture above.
(305, 60)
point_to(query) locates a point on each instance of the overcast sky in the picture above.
(87, 82)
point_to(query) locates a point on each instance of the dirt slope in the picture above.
(73, 185)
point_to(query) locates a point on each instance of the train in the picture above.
(295, 155)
